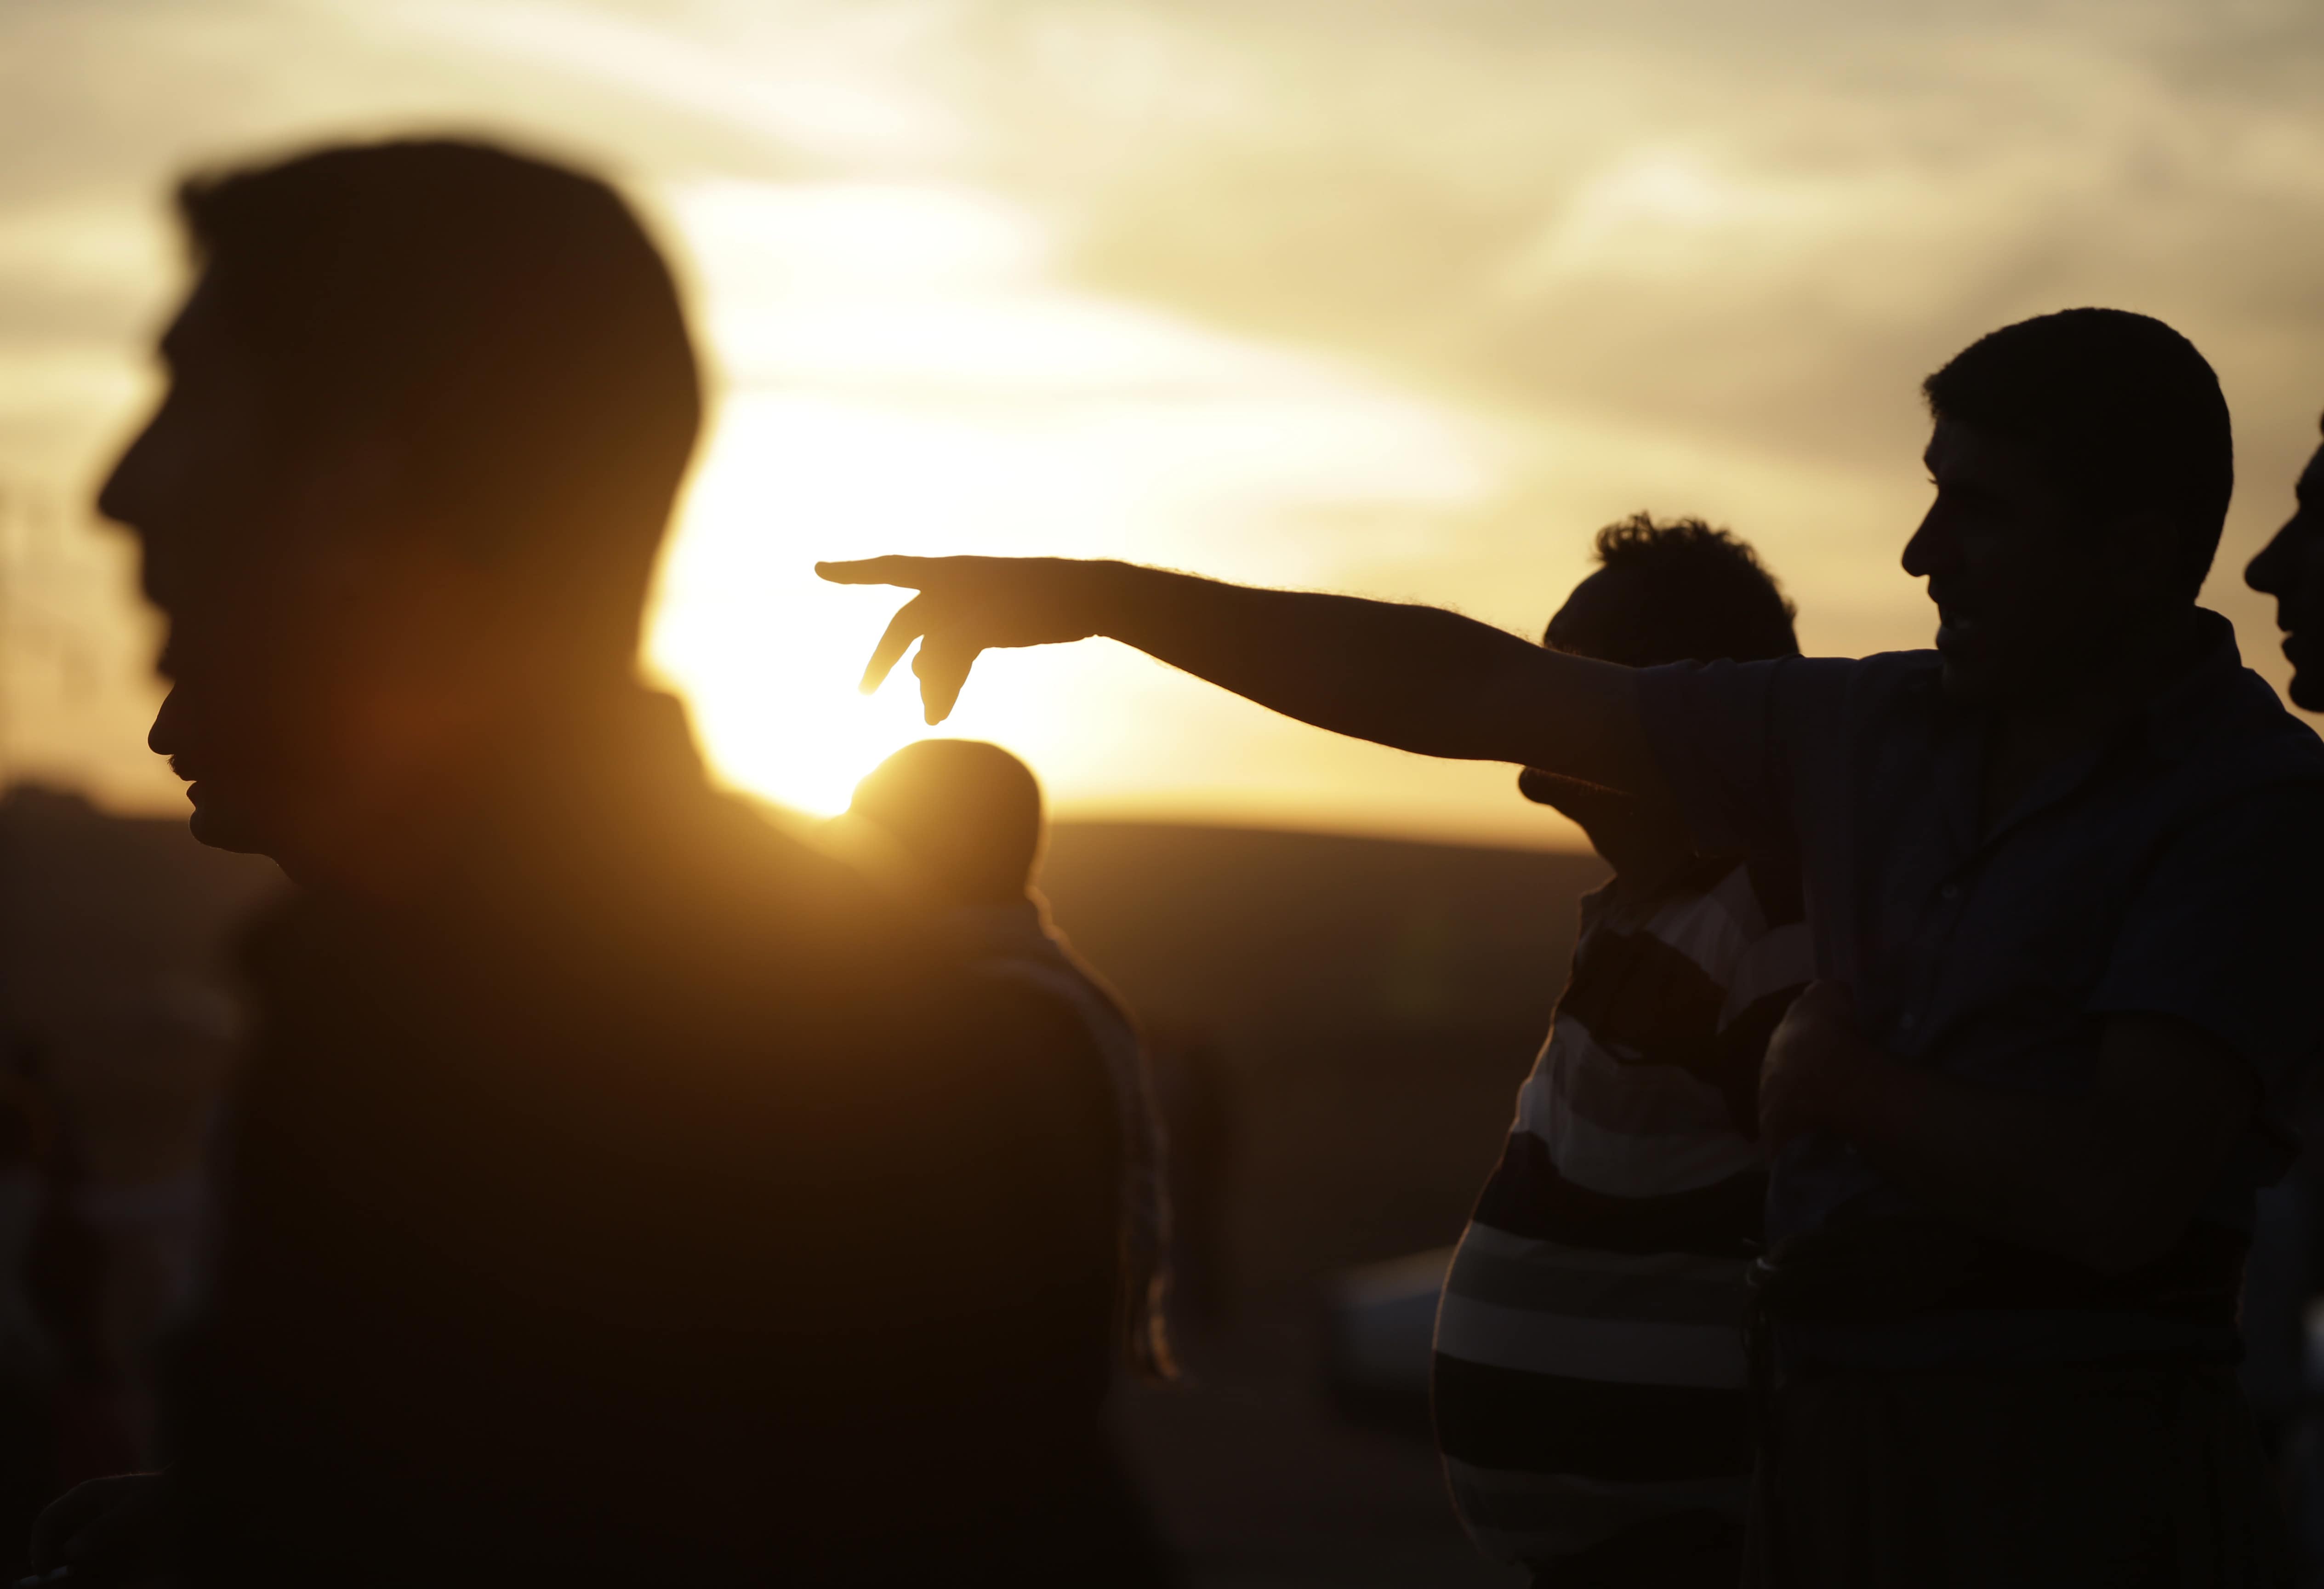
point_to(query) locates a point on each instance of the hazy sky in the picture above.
(1396, 296)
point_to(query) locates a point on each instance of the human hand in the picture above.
(966, 605)
(119, 1529)
(1816, 1065)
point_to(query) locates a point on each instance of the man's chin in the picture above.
(217, 823)
(2301, 648)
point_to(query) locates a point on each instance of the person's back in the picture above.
(959, 825)
(616, 1190)
(1591, 1386)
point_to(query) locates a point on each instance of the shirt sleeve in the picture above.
(2227, 932)
(1737, 739)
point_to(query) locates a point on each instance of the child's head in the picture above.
(1675, 590)
(1671, 590)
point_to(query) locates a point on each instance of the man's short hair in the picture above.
(968, 813)
(1707, 594)
(2121, 407)
(505, 321)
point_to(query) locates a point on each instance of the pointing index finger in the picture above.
(909, 572)
(904, 628)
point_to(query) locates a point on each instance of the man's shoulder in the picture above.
(1798, 691)
(2239, 757)
(731, 865)
(1877, 669)
(1884, 686)
(2259, 732)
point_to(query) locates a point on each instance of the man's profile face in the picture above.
(2291, 568)
(2012, 579)
(221, 506)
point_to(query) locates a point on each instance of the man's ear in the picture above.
(2142, 549)
(344, 493)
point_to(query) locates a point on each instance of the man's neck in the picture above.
(400, 836)
(2036, 731)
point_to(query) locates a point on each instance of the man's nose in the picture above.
(2260, 572)
(117, 498)
(162, 738)
(2270, 573)
(1926, 552)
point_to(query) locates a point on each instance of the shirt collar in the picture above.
(2171, 723)
(2188, 708)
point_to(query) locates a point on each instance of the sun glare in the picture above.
(904, 373)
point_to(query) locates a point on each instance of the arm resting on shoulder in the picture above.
(1417, 679)
(2111, 1177)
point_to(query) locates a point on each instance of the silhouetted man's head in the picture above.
(1675, 591)
(2083, 463)
(967, 814)
(429, 404)
(2292, 570)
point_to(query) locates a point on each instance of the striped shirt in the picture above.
(1590, 1371)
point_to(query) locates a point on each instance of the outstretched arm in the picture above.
(1418, 679)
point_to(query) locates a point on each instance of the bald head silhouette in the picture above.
(968, 813)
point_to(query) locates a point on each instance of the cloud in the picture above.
(1766, 222)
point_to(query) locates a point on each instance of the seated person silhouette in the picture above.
(964, 820)
(618, 1191)
(1597, 1433)
(2060, 873)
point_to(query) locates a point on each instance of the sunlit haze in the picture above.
(1403, 299)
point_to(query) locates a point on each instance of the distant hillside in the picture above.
(1376, 1003)
(1292, 933)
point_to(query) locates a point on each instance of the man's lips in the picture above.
(1957, 628)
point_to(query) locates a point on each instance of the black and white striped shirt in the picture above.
(1590, 1373)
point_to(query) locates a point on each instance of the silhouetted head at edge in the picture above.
(2291, 568)
(428, 406)
(2082, 461)
(1675, 590)
(966, 815)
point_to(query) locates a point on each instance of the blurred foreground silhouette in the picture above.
(614, 1188)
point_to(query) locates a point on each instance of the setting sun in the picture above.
(905, 372)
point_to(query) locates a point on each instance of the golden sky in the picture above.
(1404, 297)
